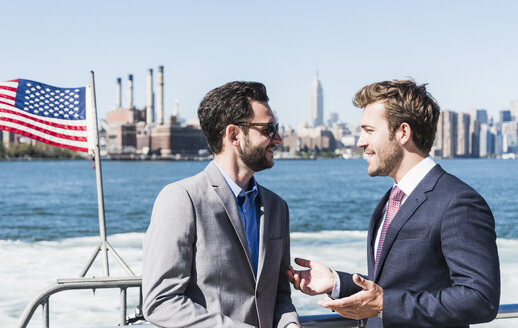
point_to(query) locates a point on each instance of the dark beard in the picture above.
(255, 157)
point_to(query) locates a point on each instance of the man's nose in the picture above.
(277, 139)
(361, 143)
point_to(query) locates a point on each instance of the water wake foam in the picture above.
(29, 267)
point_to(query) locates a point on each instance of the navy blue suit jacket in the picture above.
(439, 265)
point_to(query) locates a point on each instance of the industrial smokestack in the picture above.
(176, 112)
(149, 107)
(160, 109)
(130, 91)
(118, 99)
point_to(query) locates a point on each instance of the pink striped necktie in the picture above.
(396, 195)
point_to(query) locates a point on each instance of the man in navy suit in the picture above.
(431, 246)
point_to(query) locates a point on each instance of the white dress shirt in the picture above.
(407, 184)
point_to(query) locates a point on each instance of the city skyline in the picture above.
(316, 111)
(464, 50)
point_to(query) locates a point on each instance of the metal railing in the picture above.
(43, 298)
(323, 320)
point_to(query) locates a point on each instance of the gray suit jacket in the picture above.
(439, 264)
(197, 270)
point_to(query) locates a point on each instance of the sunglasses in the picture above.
(270, 131)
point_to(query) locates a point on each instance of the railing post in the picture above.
(123, 305)
(45, 314)
(139, 308)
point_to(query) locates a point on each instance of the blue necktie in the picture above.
(249, 220)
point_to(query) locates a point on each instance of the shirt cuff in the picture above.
(336, 287)
(289, 323)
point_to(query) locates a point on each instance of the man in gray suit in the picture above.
(217, 248)
(431, 245)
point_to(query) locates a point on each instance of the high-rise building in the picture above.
(446, 145)
(480, 115)
(317, 103)
(505, 116)
(510, 137)
(333, 118)
(497, 131)
(487, 141)
(463, 148)
(474, 137)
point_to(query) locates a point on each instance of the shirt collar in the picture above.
(415, 175)
(237, 190)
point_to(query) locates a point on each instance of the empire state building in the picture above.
(317, 102)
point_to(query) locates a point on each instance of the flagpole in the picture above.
(103, 247)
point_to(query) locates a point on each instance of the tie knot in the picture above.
(397, 194)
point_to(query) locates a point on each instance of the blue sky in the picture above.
(467, 51)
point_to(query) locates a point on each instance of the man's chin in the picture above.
(373, 171)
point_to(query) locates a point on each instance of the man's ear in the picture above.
(232, 134)
(404, 133)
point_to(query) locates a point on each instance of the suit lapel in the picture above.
(264, 224)
(229, 204)
(412, 203)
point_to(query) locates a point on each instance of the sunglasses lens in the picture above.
(272, 129)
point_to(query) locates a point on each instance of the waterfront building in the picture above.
(317, 103)
(133, 132)
(9, 138)
(480, 115)
(510, 137)
(463, 147)
(333, 118)
(487, 141)
(290, 140)
(474, 137)
(120, 135)
(143, 147)
(125, 116)
(121, 139)
(497, 131)
(437, 147)
(505, 116)
(349, 141)
(316, 139)
(445, 143)
(339, 130)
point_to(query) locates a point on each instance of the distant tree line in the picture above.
(40, 150)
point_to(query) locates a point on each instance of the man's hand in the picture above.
(364, 304)
(317, 280)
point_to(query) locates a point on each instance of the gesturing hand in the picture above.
(364, 304)
(317, 280)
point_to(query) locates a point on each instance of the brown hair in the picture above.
(405, 102)
(228, 104)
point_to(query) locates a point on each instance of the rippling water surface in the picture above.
(48, 200)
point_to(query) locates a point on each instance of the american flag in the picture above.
(56, 116)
